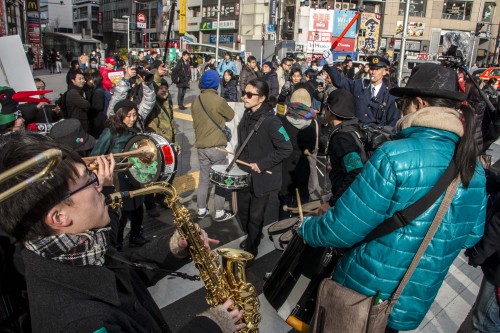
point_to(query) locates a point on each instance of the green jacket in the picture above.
(207, 135)
(161, 121)
(102, 146)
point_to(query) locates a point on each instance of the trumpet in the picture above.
(51, 156)
(146, 153)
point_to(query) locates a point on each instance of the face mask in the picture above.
(93, 65)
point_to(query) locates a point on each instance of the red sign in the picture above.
(141, 18)
(346, 44)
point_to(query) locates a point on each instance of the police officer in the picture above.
(344, 150)
(374, 104)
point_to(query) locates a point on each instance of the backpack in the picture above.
(61, 102)
(176, 76)
(368, 137)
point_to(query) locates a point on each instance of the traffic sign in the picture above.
(141, 25)
(270, 28)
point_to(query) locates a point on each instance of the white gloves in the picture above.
(328, 56)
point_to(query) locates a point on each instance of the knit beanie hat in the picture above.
(210, 80)
(300, 105)
(268, 63)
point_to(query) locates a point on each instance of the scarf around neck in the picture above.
(434, 117)
(83, 249)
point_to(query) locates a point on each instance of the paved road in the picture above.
(180, 300)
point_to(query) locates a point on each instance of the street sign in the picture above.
(141, 25)
(270, 28)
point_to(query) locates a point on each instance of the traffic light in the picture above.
(479, 26)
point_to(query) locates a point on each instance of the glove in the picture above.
(328, 56)
(475, 258)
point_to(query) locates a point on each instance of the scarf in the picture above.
(298, 110)
(434, 117)
(84, 249)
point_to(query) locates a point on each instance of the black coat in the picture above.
(296, 168)
(486, 252)
(271, 79)
(228, 91)
(345, 167)
(268, 147)
(66, 298)
(184, 74)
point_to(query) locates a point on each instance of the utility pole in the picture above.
(475, 37)
(217, 34)
(402, 48)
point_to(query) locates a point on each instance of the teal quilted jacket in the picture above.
(397, 175)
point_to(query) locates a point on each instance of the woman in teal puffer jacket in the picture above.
(400, 172)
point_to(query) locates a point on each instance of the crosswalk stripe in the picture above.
(183, 116)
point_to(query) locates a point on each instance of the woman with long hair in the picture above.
(98, 105)
(229, 86)
(436, 130)
(121, 127)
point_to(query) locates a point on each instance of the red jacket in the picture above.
(106, 82)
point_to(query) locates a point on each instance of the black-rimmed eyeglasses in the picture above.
(93, 180)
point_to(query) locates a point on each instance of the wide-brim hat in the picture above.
(71, 133)
(431, 80)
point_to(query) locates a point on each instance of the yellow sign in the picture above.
(32, 5)
(182, 17)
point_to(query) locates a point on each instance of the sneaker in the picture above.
(182, 107)
(137, 241)
(200, 216)
(153, 212)
(225, 216)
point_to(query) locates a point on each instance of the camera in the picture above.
(144, 73)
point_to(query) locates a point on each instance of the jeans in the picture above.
(251, 213)
(486, 312)
(180, 96)
(208, 157)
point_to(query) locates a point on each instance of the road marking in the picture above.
(186, 183)
(176, 106)
(183, 116)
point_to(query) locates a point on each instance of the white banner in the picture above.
(318, 47)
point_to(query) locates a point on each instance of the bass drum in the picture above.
(293, 285)
(161, 168)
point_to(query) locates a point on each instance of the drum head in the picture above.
(282, 226)
(311, 205)
(159, 163)
(286, 238)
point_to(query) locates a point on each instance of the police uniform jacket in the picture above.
(380, 110)
(268, 147)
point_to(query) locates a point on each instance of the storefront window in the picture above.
(457, 10)
(417, 7)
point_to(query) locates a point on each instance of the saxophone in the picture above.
(222, 281)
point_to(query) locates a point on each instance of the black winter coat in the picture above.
(228, 91)
(271, 79)
(184, 74)
(296, 168)
(66, 298)
(486, 252)
(268, 147)
(78, 106)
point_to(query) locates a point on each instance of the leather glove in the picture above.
(328, 56)
(475, 258)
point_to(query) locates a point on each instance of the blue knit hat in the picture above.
(210, 80)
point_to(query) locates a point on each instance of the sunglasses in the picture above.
(248, 94)
(93, 180)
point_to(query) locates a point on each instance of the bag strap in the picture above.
(212, 119)
(240, 149)
(410, 213)
(443, 208)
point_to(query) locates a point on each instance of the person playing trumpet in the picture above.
(76, 280)
(122, 126)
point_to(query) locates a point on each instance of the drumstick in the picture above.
(299, 205)
(308, 153)
(239, 161)
(296, 210)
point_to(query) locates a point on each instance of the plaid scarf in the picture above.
(298, 110)
(84, 249)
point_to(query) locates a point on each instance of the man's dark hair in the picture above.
(37, 79)
(73, 73)
(251, 58)
(23, 213)
(74, 63)
(97, 79)
(185, 52)
(284, 61)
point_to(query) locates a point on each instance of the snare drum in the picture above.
(234, 179)
(285, 238)
(162, 167)
(292, 287)
(277, 229)
(311, 205)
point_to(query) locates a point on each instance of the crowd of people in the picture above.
(294, 114)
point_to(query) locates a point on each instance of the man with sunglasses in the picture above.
(77, 281)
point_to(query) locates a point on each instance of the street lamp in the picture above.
(128, 31)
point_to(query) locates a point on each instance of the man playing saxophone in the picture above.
(77, 281)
